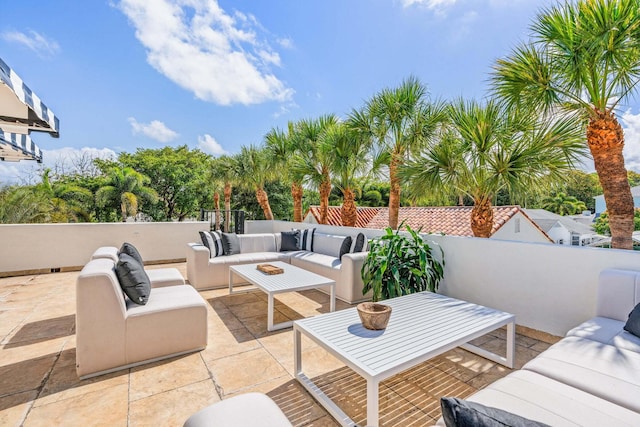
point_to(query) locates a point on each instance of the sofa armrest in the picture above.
(351, 272)
(197, 262)
(618, 293)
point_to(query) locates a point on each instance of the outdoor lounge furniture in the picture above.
(245, 410)
(422, 326)
(113, 333)
(159, 277)
(291, 280)
(589, 378)
(205, 272)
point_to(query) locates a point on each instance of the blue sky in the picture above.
(217, 75)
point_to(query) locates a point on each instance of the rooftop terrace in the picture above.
(39, 385)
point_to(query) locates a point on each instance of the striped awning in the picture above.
(16, 146)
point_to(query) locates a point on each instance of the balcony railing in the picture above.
(231, 221)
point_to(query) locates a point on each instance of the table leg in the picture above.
(270, 309)
(332, 297)
(297, 351)
(511, 344)
(372, 403)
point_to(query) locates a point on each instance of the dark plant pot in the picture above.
(374, 316)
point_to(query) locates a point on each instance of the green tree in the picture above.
(225, 170)
(255, 169)
(562, 204)
(179, 177)
(489, 148)
(69, 202)
(244, 198)
(584, 57)
(601, 226)
(125, 189)
(23, 205)
(399, 121)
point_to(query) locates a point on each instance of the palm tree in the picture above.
(254, 171)
(68, 201)
(584, 57)
(488, 149)
(22, 205)
(126, 188)
(225, 170)
(283, 145)
(562, 204)
(313, 159)
(350, 150)
(400, 121)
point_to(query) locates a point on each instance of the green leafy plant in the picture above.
(400, 264)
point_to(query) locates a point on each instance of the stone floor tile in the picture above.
(489, 376)
(14, 408)
(461, 364)
(298, 405)
(42, 330)
(25, 375)
(245, 369)
(108, 407)
(31, 350)
(258, 325)
(165, 375)
(223, 343)
(173, 407)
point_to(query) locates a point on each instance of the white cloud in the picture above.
(219, 57)
(435, 5)
(285, 42)
(154, 130)
(631, 125)
(40, 44)
(209, 145)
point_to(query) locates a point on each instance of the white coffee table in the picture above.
(293, 279)
(422, 326)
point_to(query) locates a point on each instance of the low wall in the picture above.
(548, 287)
(49, 247)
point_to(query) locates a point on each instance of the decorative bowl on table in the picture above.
(374, 316)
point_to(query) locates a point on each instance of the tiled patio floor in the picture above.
(39, 386)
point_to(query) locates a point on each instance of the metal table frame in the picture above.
(422, 326)
(293, 279)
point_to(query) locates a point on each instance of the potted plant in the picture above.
(397, 264)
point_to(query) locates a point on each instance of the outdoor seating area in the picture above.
(39, 384)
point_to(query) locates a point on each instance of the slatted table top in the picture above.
(422, 325)
(293, 277)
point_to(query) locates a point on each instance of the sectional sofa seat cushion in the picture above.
(129, 249)
(607, 331)
(605, 371)
(213, 241)
(461, 413)
(546, 400)
(133, 279)
(633, 323)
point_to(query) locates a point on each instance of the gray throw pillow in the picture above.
(289, 240)
(346, 245)
(133, 279)
(633, 323)
(462, 413)
(230, 243)
(129, 249)
(360, 240)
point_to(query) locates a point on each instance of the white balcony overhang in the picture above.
(16, 146)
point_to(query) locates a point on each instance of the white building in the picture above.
(563, 230)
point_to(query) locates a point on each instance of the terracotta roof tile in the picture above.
(335, 218)
(451, 220)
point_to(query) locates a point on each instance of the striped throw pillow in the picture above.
(213, 241)
(306, 239)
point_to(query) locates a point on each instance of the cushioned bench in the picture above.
(245, 410)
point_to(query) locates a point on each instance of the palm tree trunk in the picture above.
(482, 218)
(263, 200)
(227, 206)
(349, 212)
(606, 140)
(216, 205)
(325, 190)
(394, 193)
(296, 193)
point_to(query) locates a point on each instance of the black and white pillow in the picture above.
(213, 241)
(306, 239)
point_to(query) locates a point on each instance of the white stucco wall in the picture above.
(528, 231)
(559, 232)
(47, 246)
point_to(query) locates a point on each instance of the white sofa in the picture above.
(113, 333)
(589, 378)
(204, 272)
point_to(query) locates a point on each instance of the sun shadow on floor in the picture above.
(43, 330)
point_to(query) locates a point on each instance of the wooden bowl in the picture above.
(374, 316)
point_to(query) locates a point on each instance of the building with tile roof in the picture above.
(510, 222)
(563, 230)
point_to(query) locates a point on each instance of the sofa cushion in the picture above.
(306, 242)
(358, 243)
(461, 413)
(289, 240)
(133, 279)
(230, 243)
(346, 245)
(546, 400)
(607, 331)
(633, 323)
(258, 242)
(603, 370)
(129, 249)
(328, 244)
(162, 277)
(213, 241)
